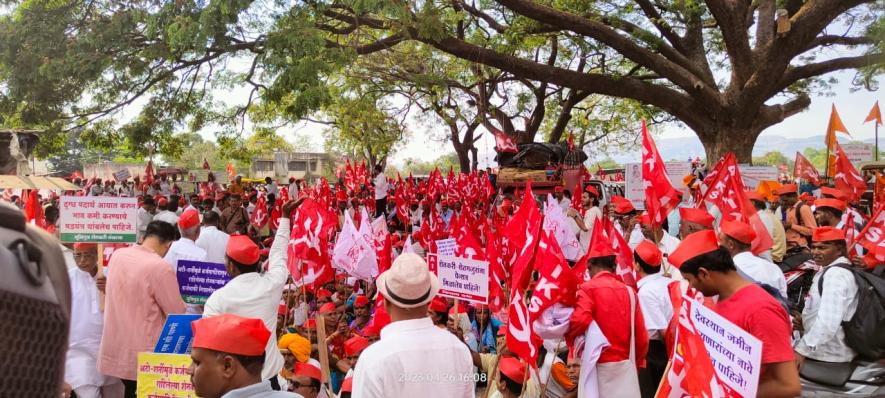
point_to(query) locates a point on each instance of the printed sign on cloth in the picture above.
(736, 355)
(463, 278)
(197, 280)
(98, 219)
(177, 335)
(164, 375)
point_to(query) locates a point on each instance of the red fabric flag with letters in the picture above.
(503, 143)
(660, 196)
(846, 177)
(803, 169)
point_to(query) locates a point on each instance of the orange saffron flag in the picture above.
(875, 115)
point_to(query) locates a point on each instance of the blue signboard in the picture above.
(177, 335)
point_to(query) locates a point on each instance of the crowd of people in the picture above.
(269, 333)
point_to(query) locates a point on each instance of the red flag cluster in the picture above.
(660, 196)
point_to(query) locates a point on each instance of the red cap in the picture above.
(347, 385)
(826, 234)
(162, 202)
(340, 277)
(697, 216)
(832, 203)
(649, 252)
(306, 369)
(513, 368)
(189, 219)
(355, 345)
(694, 245)
(623, 207)
(753, 195)
(310, 324)
(327, 308)
(323, 293)
(738, 230)
(589, 189)
(231, 334)
(788, 188)
(645, 219)
(439, 304)
(835, 193)
(557, 188)
(242, 250)
(85, 246)
(457, 309)
(360, 301)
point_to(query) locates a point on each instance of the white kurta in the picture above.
(86, 326)
(762, 271)
(591, 215)
(255, 295)
(214, 242)
(167, 216)
(654, 301)
(184, 249)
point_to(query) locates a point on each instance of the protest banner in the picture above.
(858, 152)
(221, 177)
(164, 375)
(177, 335)
(446, 247)
(98, 219)
(462, 278)
(634, 188)
(122, 175)
(753, 175)
(736, 354)
(197, 280)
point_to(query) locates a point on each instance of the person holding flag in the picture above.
(590, 202)
(709, 268)
(603, 299)
(251, 293)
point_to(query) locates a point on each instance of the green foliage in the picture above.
(773, 158)
(424, 167)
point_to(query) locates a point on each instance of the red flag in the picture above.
(690, 372)
(623, 254)
(497, 273)
(308, 249)
(503, 143)
(206, 164)
(660, 196)
(571, 141)
(727, 193)
(231, 173)
(521, 338)
(33, 210)
(521, 239)
(872, 237)
(802, 168)
(846, 178)
(149, 173)
(555, 282)
(259, 214)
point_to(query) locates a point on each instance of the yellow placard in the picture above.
(164, 375)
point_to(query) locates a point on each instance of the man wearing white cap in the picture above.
(414, 358)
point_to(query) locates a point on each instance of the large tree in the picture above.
(727, 69)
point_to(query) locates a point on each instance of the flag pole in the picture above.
(877, 141)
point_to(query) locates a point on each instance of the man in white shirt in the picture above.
(737, 237)
(81, 369)
(164, 214)
(564, 202)
(211, 239)
(381, 188)
(145, 215)
(826, 308)
(271, 187)
(657, 310)
(186, 248)
(667, 244)
(414, 358)
(831, 213)
(591, 215)
(253, 294)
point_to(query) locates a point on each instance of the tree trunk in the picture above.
(718, 141)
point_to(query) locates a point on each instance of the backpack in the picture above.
(865, 332)
(35, 306)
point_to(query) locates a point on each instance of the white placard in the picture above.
(446, 247)
(735, 353)
(752, 175)
(98, 219)
(122, 175)
(635, 189)
(463, 278)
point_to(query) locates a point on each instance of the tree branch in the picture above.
(794, 75)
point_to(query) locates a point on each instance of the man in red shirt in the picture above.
(604, 299)
(710, 269)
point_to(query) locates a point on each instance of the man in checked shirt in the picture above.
(824, 338)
